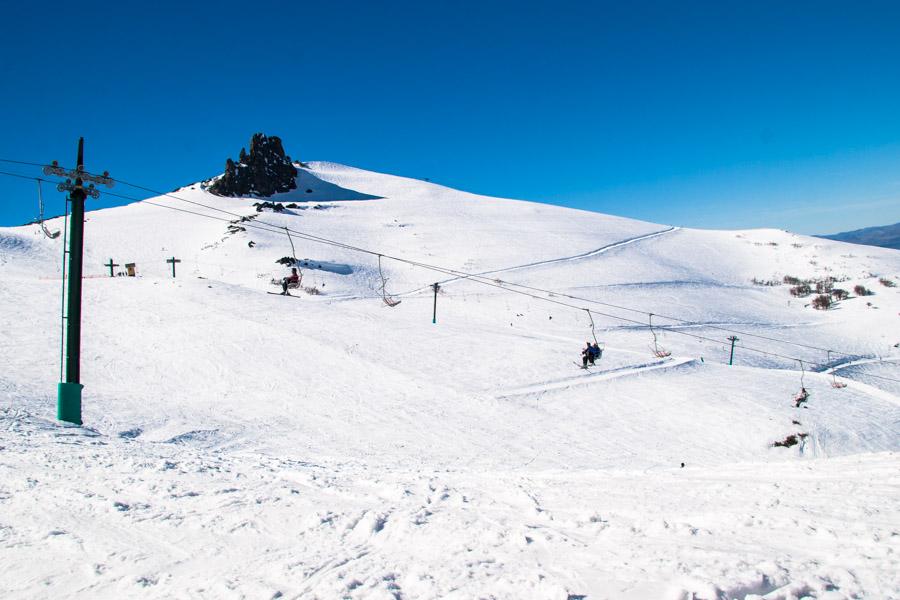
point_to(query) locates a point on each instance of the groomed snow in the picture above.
(241, 444)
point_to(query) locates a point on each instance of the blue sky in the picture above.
(718, 114)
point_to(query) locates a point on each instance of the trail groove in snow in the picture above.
(551, 261)
(589, 377)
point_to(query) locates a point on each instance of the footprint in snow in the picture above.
(147, 581)
(131, 433)
(198, 435)
(368, 525)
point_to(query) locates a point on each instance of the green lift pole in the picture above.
(435, 287)
(732, 339)
(68, 404)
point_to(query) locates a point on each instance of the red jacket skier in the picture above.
(293, 280)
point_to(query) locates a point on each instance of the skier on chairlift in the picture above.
(292, 280)
(588, 355)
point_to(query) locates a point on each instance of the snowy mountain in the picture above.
(244, 444)
(886, 236)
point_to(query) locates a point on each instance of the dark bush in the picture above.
(801, 290)
(791, 280)
(886, 282)
(765, 282)
(791, 440)
(839, 294)
(861, 290)
(822, 302)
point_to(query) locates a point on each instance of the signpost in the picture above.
(173, 260)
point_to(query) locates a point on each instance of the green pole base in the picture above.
(68, 402)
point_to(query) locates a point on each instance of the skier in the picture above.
(587, 355)
(597, 352)
(294, 278)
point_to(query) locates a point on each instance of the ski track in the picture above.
(230, 526)
(586, 379)
(576, 257)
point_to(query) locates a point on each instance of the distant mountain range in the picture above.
(886, 236)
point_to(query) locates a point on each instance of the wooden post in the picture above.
(111, 264)
(173, 260)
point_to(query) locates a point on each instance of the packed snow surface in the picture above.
(239, 444)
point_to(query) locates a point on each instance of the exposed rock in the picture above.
(274, 206)
(264, 171)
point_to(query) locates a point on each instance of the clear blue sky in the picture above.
(704, 114)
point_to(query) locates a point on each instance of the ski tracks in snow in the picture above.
(550, 261)
(594, 377)
(171, 520)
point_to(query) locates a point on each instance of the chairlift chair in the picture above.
(658, 351)
(594, 335)
(839, 385)
(388, 299)
(54, 234)
(803, 395)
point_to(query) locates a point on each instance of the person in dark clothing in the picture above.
(587, 355)
(293, 278)
(597, 352)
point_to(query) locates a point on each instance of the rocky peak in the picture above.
(265, 171)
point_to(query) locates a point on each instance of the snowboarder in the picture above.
(292, 279)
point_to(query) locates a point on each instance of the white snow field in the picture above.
(239, 444)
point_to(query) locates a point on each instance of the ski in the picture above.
(280, 294)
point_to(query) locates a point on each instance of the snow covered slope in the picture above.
(241, 444)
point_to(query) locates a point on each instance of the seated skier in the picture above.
(292, 279)
(587, 355)
(597, 352)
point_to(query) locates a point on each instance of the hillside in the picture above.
(243, 444)
(887, 236)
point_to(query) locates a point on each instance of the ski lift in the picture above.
(838, 385)
(295, 264)
(388, 299)
(803, 395)
(52, 235)
(658, 351)
(594, 334)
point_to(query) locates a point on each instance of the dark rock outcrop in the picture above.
(264, 171)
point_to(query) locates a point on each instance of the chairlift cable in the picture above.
(262, 225)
